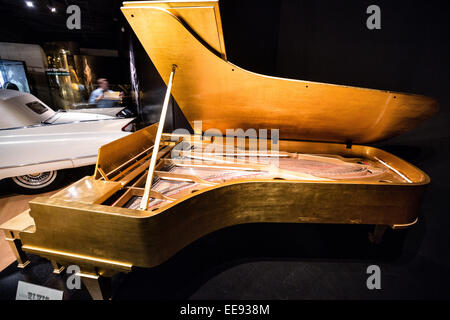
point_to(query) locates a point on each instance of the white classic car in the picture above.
(36, 143)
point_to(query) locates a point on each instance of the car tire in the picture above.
(38, 183)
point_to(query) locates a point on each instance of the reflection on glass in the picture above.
(13, 75)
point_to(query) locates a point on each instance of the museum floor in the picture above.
(283, 261)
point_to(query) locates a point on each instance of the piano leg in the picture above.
(16, 246)
(377, 235)
(98, 287)
(57, 268)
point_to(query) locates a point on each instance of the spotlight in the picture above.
(29, 4)
(51, 7)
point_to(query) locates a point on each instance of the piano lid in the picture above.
(224, 96)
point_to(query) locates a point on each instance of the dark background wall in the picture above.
(328, 41)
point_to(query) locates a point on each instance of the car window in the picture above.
(37, 107)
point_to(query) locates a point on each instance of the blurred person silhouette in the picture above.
(98, 95)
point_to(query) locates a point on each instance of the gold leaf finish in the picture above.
(224, 96)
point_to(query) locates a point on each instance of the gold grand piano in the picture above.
(153, 193)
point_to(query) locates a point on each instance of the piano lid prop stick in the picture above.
(148, 184)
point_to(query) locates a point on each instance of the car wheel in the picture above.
(38, 182)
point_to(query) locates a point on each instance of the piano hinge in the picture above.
(348, 144)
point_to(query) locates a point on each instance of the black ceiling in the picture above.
(101, 22)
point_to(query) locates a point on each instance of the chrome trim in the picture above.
(44, 124)
(50, 161)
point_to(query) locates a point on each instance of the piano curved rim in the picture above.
(72, 232)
